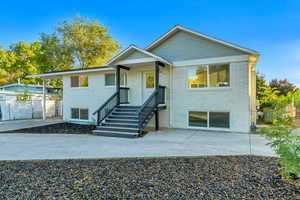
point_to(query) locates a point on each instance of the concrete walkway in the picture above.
(163, 143)
(28, 123)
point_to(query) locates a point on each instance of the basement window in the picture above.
(80, 113)
(209, 119)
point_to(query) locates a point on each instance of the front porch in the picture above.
(124, 113)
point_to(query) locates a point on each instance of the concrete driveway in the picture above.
(163, 143)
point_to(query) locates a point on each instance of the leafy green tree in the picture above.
(283, 86)
(18, 62)
(75, 41)
(262, 90)
(88, 41)
(3, 63)
(53, 55)
(25, 62)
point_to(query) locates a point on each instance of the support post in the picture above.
(44, 99)
(156, 89)
(118, 84)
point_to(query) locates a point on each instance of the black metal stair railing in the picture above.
(107, 107)
(124, 95)
(150, 105)
(162, 95)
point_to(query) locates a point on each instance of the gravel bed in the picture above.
(64, 128)
(213, 177)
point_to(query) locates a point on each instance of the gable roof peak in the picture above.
(131, 48)
(179, 27)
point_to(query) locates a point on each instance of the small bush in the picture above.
(284, 141)
(287, 146)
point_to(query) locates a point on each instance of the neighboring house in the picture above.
(20, 101)
(184, 79)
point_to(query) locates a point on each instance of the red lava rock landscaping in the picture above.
(214, 177)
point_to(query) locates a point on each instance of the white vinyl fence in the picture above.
(31, 109)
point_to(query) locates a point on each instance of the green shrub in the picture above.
(287, 146)
(284, 141)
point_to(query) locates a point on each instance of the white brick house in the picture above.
(209, 84)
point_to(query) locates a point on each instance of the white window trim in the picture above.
(113, 86)
(208, 78)
(84, 120)
(79, 87)
(207, 128)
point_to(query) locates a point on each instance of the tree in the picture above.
(53, 55)
(261, 85)
(88, 41)
(3, 63)
(24, 62)
(18, 62)
(75, 41)
(283, 86)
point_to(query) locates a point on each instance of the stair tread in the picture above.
(119, 132)
(130, 113)
(114, 114)
(121, 123)
(115, 134)
(117, 127)
(122, 119)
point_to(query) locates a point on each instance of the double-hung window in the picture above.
(205, 76)
(110, 79)
(79, 81)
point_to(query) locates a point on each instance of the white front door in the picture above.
(148, 84)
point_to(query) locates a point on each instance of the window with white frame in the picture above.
(209, 119)
(214, 75)
(80, 113)
(79, 81)
(110, 79)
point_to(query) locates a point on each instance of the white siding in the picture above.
(234, 99)
(136, 55)
(91, 97)
(186, 46)
(96, 94)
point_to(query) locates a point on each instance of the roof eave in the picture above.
(60, 74)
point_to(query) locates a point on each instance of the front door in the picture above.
(148, 84)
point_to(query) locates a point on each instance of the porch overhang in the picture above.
(141, 62)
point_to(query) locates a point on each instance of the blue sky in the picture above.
(270, 27)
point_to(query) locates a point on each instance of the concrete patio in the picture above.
(168, 142)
